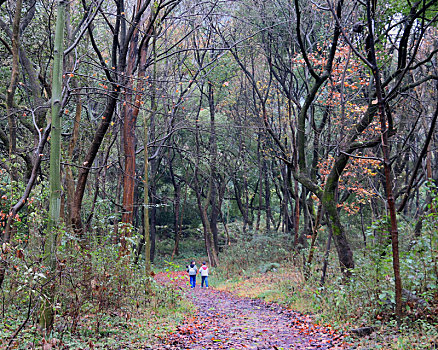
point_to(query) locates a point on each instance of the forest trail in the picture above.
(226, 321)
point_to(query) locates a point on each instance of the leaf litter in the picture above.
(225, 321)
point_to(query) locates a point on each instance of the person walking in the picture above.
(192, 269)
(203, 270)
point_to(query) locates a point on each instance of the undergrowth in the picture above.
(103, 301)
(366, 300)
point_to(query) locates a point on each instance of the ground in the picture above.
(226, 321)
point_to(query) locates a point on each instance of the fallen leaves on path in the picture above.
(226, 321)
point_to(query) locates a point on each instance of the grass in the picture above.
(269, 286)
(327, 307)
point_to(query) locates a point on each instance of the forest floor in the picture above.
(224, 320)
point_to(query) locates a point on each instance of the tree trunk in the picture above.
(243, 206)
(10, 92)
(214, 212)
(146, 236)
(315, 234)
(176, 227)
(69, 181)
(208, 236)
(129, 141)
(117, 206)
(48, 310)
(260, 184)
(386, 162)
(70, 187)
(12, 126)
(176, 208)
(153, 208)
(153, 164)
(149, 220)
(130, 114)
(329, 202)
(286, 183)
(268, 212)
(326, 254)
(89, 159)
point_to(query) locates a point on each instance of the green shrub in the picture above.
(255, 252)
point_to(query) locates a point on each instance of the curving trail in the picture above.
(226, 321)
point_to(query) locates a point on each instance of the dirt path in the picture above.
(225, 321)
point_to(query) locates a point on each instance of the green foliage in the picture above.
(32, 216)
(263, 268)
(369, 294)
(262, 252)
(101, 298)
(403, 7)
(366, 299)
(191, 245)
(419, 259)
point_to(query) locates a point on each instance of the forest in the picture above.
(291, 145)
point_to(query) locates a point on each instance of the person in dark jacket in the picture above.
(192, 269)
